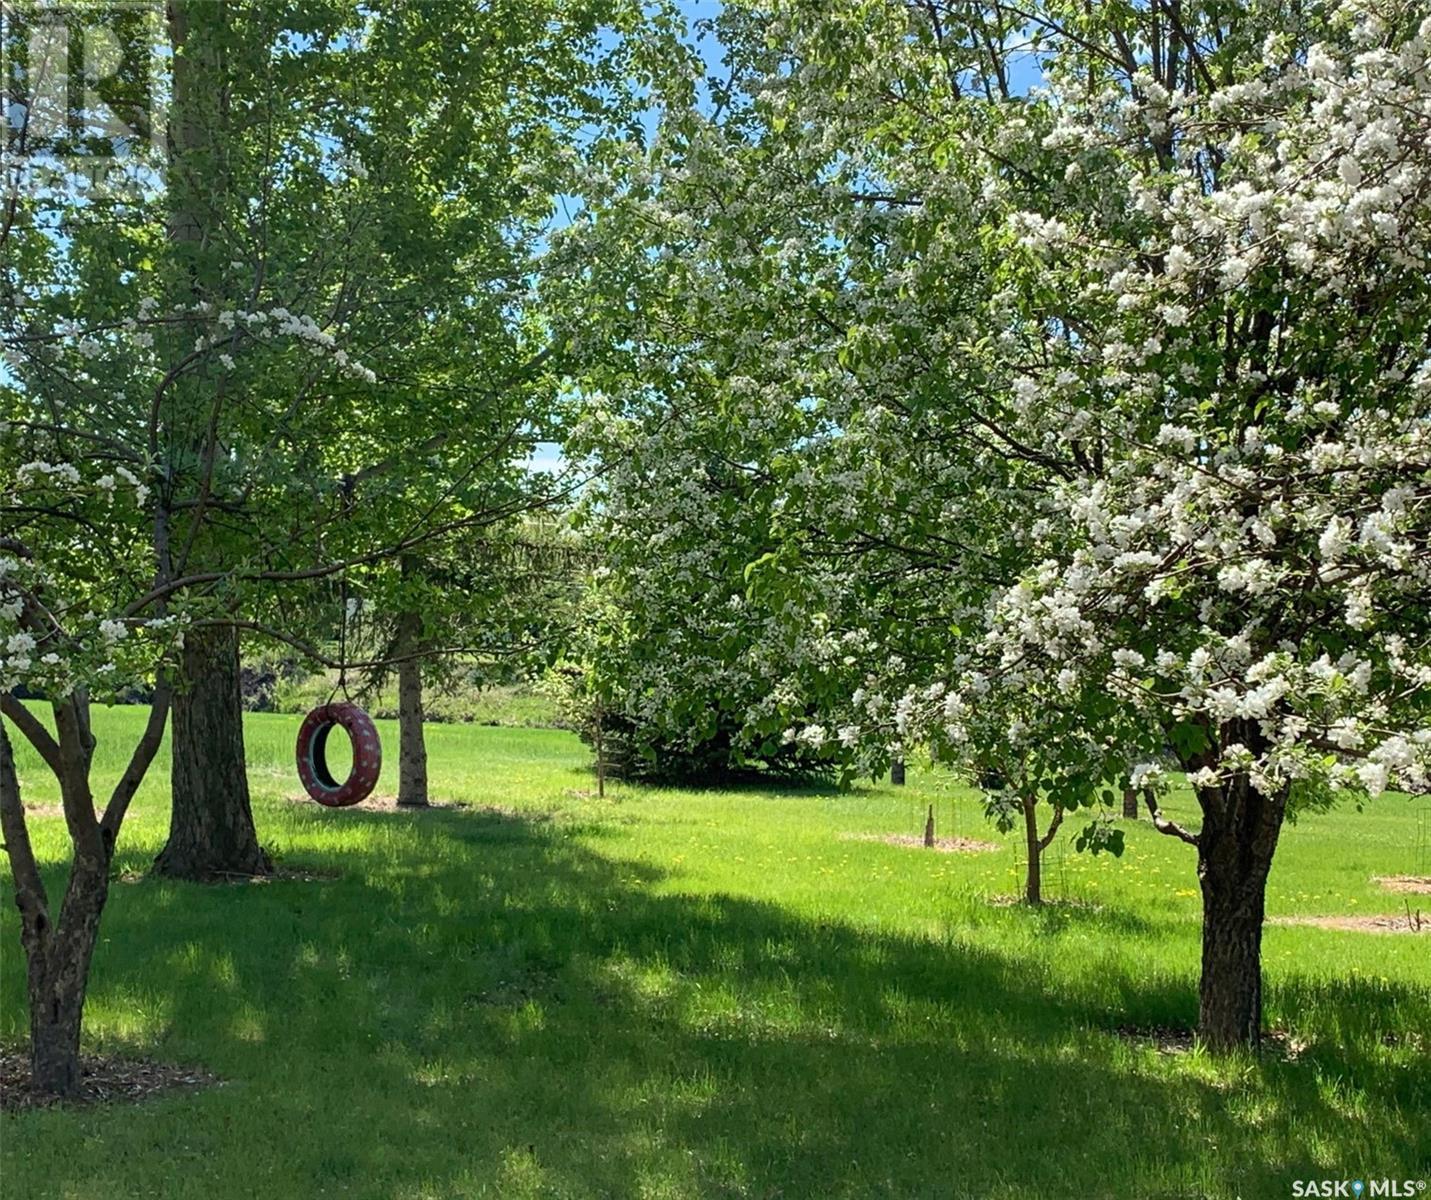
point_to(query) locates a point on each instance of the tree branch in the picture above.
(17, 835)
(33, 729)
(138, 762)
(887, 198)
(76, 747)
(389, 660)
(1047, 840)
(438, 440)
(199, 578)
(1163, 825)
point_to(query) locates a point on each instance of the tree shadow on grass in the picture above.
(484, 1006)
(1055, 917)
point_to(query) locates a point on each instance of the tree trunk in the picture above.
(58, 963)
(1235, 849)
(896, 772)
(54, 1039)
(1033, 884)
(412, 748)
(1130, 804)
(57, 955)
(211, 830)
(600, 753)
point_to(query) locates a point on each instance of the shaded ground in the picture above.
(281, 873)
(388, 803)
(708, 994)
(1276, 1043)
(380, 803)
(105, 1081)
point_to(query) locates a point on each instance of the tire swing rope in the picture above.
(312, 748)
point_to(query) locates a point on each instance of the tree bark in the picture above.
(896, 772)
(58, 954)
(1130, 804)
(211, 832)
(1235, 848)
(54, 1038)
(412, 747)
(600, 753)
(58, 962)
(211, 829)
(1033, 882)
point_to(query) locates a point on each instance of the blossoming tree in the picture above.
(678, 658)
(1217, 279)
(71, 642)
(1129, 305)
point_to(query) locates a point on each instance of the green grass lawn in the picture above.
(456, 701)
(679, 993)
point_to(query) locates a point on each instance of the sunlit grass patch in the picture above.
(712, 993)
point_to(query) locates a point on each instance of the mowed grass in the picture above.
(459, 701)
(681, 993)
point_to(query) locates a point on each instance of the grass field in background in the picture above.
(685, 993)
(456, 701)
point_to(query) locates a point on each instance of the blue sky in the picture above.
(546, 456)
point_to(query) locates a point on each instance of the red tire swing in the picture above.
(313, 755)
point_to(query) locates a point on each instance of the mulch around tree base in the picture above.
(954, 845)
(103, 1080)
(1047, 904)
(282, 874)
(1384, 923)
(1420, 884)
(1167, 1039)
(286, 875)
